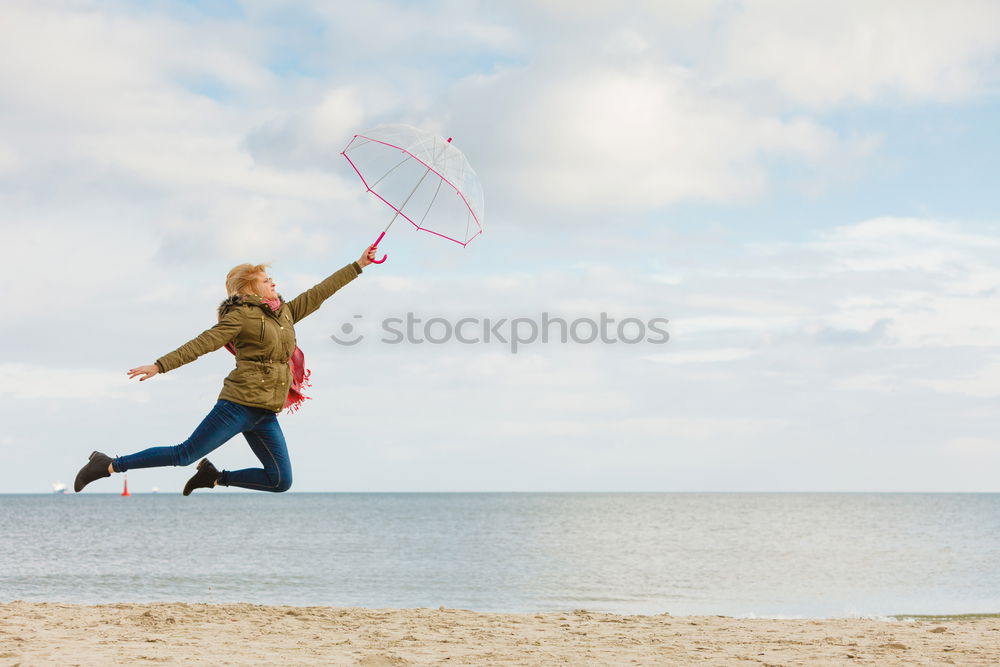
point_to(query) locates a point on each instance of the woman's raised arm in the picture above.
(307, 302)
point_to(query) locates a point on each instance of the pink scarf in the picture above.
(297, 364)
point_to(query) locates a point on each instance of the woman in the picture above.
(256, 325)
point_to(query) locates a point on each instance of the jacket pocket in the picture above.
(245, 385)
(262, 329)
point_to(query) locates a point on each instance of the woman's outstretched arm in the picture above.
(146, 372)
(208, 341)
(307, 302)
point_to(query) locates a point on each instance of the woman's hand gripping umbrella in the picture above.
(421, 176)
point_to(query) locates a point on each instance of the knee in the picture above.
(184, 456)
(281, 479)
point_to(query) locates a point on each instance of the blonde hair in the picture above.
(240, 279)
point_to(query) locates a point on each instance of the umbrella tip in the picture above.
(449, 140)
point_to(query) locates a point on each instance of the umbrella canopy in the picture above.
(422, 177)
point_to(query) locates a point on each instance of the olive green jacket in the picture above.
(264, 342)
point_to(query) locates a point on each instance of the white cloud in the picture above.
(398, 283)
(604, 115)
(34, 381)
(104, 110)
(701, 356)
(874, 382)
(600, 115)
(933, 283)
(384, 27)
(859, 52)
(310, 138)
(584, 135)
(647, 429)
(981, 383)
(8, 159)
(901, 244)
(59, 262)
(973, 448)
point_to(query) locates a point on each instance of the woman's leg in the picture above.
(224, 421)
(268, 443)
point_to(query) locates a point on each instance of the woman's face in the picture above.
(264, 286)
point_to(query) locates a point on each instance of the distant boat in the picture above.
(155, 489)
(59, 488)
(125, 490)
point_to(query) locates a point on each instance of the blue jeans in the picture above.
(259, 426)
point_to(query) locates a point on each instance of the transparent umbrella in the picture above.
(423, 178)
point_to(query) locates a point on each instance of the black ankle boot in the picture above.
(205, 478)
(96, 468)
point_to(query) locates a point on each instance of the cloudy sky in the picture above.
(806, 191)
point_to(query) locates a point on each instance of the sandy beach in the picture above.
(241, 634)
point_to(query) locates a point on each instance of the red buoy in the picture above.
(125, 490)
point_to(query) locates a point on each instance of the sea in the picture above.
(781, 555)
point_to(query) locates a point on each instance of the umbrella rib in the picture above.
(366, 141)
(408, 156)
(431, 204)
(399, 211)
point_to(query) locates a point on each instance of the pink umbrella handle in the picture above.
(384, 257)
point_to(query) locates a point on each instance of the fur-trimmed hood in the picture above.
(237, 300)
